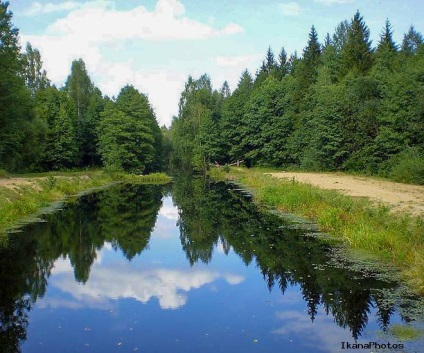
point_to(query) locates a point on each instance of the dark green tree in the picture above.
(61, 150)
(136, 105)
(19, 129)
(125, 143)
(356, 53)
(80, 89)
(233, 124)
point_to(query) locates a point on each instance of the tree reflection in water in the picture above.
(210, 214)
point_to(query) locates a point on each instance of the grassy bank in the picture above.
(394, 238)
(24, 197)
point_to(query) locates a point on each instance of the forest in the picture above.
(43, 127)
(342, 105)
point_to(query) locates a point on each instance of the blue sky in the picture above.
(155, 44)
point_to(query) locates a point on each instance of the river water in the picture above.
(191, 267)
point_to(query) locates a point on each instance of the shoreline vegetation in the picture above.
(25, 196)
(394, 238)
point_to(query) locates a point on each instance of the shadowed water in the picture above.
(192, 267)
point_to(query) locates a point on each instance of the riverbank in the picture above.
(361, 223)
(24, 197)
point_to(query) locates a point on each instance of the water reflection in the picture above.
(73, 261)
(216, 212)
(168, 286)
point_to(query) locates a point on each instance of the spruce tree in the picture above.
(356, 53)
(411, 41)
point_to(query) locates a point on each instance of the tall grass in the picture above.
(395, 238)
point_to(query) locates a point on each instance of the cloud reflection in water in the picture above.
(110, 282)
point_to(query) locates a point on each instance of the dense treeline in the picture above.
(342, 105)
(46, 128)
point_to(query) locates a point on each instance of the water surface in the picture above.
(192, 267)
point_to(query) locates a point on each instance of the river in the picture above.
(192, 267)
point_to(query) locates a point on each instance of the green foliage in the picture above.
(343, 105)
(35, 77)
(407, 167)
(356, 53)
(196, 139)
(19, 130)
(129, 137)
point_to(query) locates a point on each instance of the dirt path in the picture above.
(13, 182)
(401, 197)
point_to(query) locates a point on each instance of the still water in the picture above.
(192, 267)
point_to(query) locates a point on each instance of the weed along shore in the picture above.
(395, 238)
(22, 198)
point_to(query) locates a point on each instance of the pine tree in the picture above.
(386, 39)
(356, 53)
(312, 52)
(225, 90)
(387, 48)
(283, 65)
(411, 41)
(270, 63)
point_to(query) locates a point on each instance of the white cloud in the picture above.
(37, 8)
(86, 30)
(290, 9)
(232, 28)
(169, 211)
(99, 22)
(331, 2)
(322, 332)
(168, 286)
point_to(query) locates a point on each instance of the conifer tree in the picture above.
(356, 53)
(411, 41)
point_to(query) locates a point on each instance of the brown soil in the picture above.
(11, 183)
(401, 197)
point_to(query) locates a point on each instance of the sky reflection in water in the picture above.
(224, 301)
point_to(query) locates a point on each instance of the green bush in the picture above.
(4, 174)
(407, 167)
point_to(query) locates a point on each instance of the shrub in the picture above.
(407, 167)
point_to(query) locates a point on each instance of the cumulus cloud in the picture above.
(87, 29)
(168, 210)
(100, 22)
(168, 286)
(37, 8)
(290, 9)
